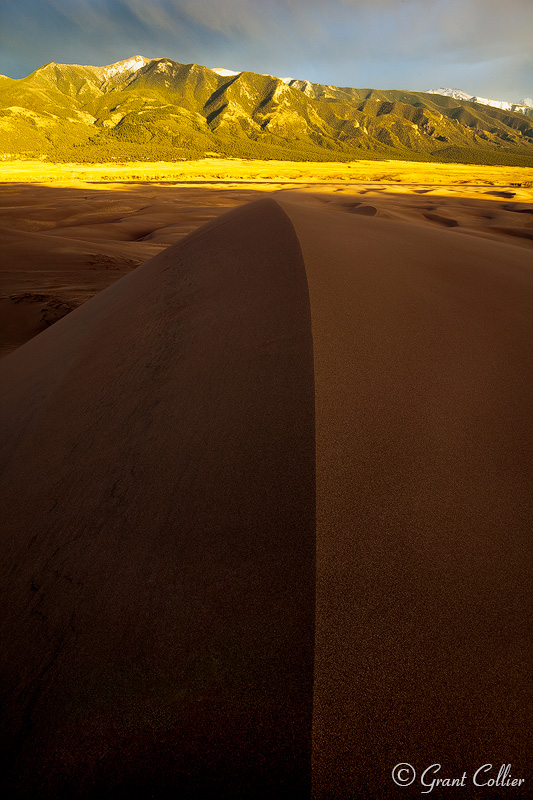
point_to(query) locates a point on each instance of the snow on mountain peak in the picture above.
(228, 72)
(458, 94)
(129, 65)
(225, 73)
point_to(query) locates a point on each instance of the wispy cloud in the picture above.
(371, 42)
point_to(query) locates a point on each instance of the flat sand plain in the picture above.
(68, 231)
(239, 169)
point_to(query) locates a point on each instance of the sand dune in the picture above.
(159, 629)
(424, 390)
(70, 242)
(266, 506)
(63, 244)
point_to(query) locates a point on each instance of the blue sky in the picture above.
(484, 47)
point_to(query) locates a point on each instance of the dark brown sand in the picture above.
(158, 529)
(66, 244)
(62, 245)
(424, 392)
(164, 450)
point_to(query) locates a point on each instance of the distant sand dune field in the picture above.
(266, 498)
(69, 231)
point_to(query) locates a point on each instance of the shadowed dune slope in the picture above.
(165, 451)
(157, 555)
(424, 392)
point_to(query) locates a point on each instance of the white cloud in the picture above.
(351, 42)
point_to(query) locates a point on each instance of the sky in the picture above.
(484, 47)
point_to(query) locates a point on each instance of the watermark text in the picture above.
(430, 778)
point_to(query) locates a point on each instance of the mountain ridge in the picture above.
(142, 108)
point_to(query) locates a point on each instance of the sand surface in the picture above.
(267, 505)
(164, 570)
(64, 243)
(424, 391)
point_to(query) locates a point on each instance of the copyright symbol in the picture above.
(403, 774)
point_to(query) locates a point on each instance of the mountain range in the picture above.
(155, 109)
